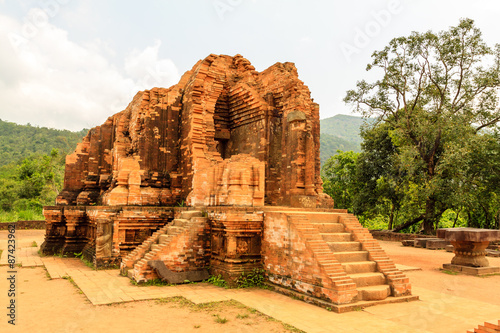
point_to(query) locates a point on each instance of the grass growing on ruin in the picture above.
(449, 272)
(34, 244)
(218, 281)
(255, 278)
(1, 251)
(154, 282)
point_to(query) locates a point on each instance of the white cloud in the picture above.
(48, 80)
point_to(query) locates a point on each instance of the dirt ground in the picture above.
(485, 289)
(56, 305)
(46, 305)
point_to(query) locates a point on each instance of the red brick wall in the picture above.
(290, 260)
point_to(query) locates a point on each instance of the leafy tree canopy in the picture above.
(438, 92)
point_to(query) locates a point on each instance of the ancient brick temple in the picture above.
(219, 171)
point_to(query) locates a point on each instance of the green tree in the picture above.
(438, 91)
(339, 177)
(379, 180)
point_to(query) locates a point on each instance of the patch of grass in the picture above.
(218, 281)
(290, 328)
(16, 215)
(34, 244)
(220, 320)
(60, 254)
(449, 272)
(197, 326)
(73, 283)
(88, 263)
(242, 316)
(153, 282)
(181, 301)
(255, 278)
(1, 251)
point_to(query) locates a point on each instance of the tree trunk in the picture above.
(456, 218)
(408, 224)
(391, 217)
(429, 216)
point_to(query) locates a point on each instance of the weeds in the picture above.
(290, 328)
(34, 244)
(449, 272)
(255, 278)
(73, 283)
(153, 282)
(218, 281)
(220, 320)
(242, 316)
(1, 251)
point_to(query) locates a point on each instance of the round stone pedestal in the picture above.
(471, 254)
(469, 248)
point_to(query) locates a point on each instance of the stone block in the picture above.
(478, 271)
(436, 244)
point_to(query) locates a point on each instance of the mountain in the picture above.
(329, 145)
(343, 126)
(20, 141)
(339, 132)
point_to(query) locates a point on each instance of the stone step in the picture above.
(188, 214)
(374, 293)
(486, 329)
(336, 237)
(344, 246)
(351, 256)
(329, 227)
(178, 223)
(368, 279)
(173, 230)
(164, 239)
(359, 267)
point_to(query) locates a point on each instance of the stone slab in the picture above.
(477, 271)
(422, 242)
(469, 234)
(449, 248)
(405, 268)
(408, 242)
(492, 253)
(436, 244)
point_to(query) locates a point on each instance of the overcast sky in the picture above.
(70, 64)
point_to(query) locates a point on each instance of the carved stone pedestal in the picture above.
(470, 253)
(470, 249)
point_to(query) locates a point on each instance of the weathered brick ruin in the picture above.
(219, 172)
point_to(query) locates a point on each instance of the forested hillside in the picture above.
(31, 168)
(343, 126)
(20, 141)
(330, 144)
(339, 132)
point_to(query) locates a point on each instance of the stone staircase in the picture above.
(162, 242)
(370, 283)
(486, 328)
